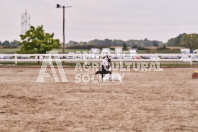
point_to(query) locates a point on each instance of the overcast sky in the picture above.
(101, 19)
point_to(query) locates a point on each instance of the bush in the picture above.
(134, 47)
(162, 48)
(142, 48)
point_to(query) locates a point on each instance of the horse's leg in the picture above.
(110, 72)
(103, 72)
(98, 72)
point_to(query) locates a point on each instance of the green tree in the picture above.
(175, 41)
(35, 40)
(190, 41)
(145, 42)
(108, 42)
(155, 43)
(124, 46)
(6, 43)
(134, 47)
(14, 42)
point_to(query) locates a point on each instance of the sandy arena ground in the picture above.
(144, 101)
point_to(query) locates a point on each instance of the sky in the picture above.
(102, 19)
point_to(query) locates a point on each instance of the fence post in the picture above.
(15, 58)
(191, 62)
(156, 60)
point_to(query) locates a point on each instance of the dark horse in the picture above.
(105, 70)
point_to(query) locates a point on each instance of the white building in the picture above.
(185, 51)
(70, 55)
(118, 50)
(118, 53)
(95, 53)
(133, 51)
(195, 51)
(105, 52)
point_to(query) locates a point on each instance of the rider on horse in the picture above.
(105, 66)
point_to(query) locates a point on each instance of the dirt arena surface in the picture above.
(144, 101)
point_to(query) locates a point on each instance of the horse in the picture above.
(105, 69)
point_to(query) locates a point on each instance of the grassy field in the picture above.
(158, 51)
(70, 50)
(8, 51)
(14, 50)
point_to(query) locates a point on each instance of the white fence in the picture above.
(97, 57)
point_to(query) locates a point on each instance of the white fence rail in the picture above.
(97, 57)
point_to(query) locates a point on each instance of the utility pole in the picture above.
(59, 6)
(63, 29)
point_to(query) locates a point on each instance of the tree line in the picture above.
(7, 44)
(35, 40)
(184, 40)
(97, 43)
(110, 43)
